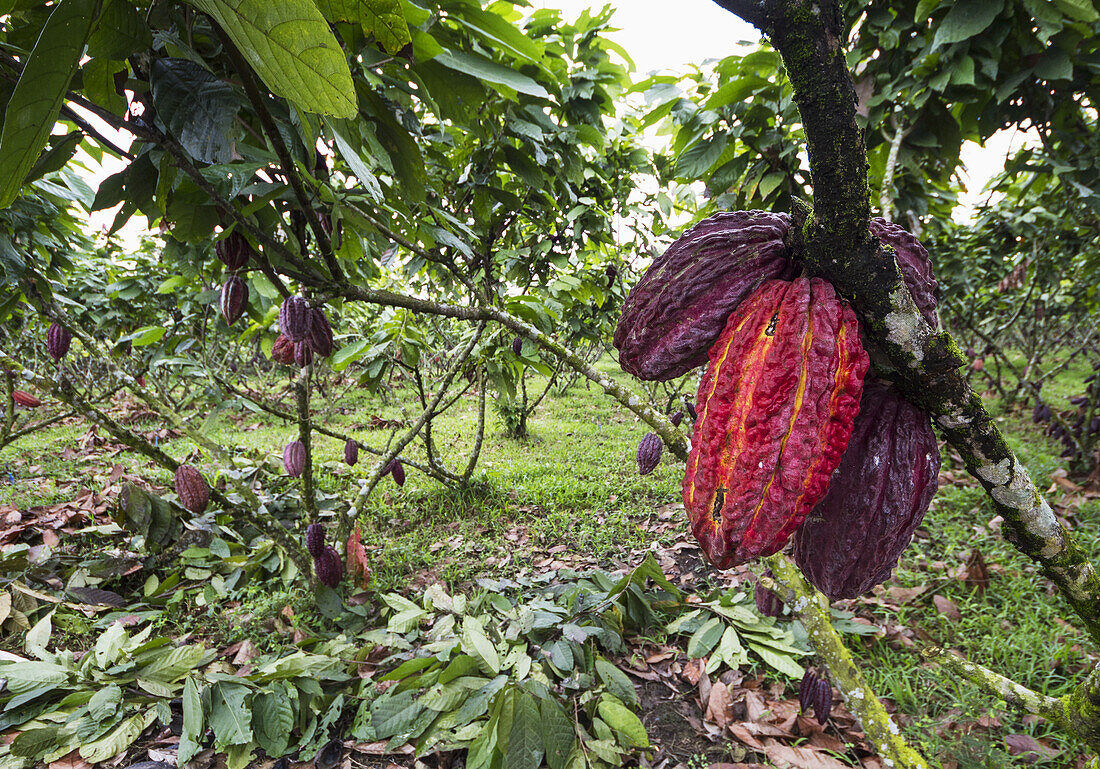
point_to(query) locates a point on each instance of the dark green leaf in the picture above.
(196, 107)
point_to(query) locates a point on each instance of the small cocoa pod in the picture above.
(191, 488)
(233, 250)
(691, 411)
(25, 399)
(295, 318)
(677, 418)
(767, 602)
(303, 354)
(329, 567)
(351, 452)
(776, 407)
(294, 458)
(877, 497)
(517, 345)
(283, 350)
(649, 453)
(320, 333)
(234, 299)
(612, 272)
(397, 470)
(915, 266)
(680, 306)
(823, 700)
(58, 341)
(315, 539)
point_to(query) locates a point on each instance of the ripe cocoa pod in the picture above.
(58, 341)
(677, 418)
(315, 539)
(234, 299)
(25, 399)
(915, 266)
(294, 458)
(329, 567)
(680, 306)
(853, 538)
(351, 452)
(234, 251)
(191, 488)
(283, 350)
(691, 412)
(517, 345)
(320, 333)
(295, 318)
(815, 692)
(767, 602)
(649, 453)
(303, 354)
(776, 407)
(397, 470)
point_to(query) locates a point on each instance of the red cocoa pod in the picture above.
(191, 488)
(329, 567)
(517, 345)
(649, 453)
(680, 306)
(234, 298)
(877, 497)
(58, 341)
(295, 318)
(915, 266)
(233, 250)
(315, 539)
(294, 458)
(25, 399)
(397, 470)
(767, 602)
(351, 452)
(320, 333)
(776, 407)
(283, 350)
(677, 418)
(303, 354)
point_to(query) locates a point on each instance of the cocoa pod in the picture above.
(677, 418)
(691, 411)
(649, 453)
(233, 250)
(234, 298)
(283, 350)
(329, 567)
(25, 399)
(915, 266)
(879, 494)
(767, 602)
(517, 345)
(680, 306)
(58, 341)
(814, 692)
(397, 470)
(776, 407)
(294, 458)
(320, 333)
(303, 354)
(315, 539)
(191, 488)
(295, 318)
(351, 452)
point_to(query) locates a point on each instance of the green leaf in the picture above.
(491, 72)
(196, 107)
(524, 735)
(37, 98)
(558, 733)
(965, 20)
(477, 644)
(230, 717)
(173, 664)
(617, 682)
(27, 676)
(35, 743)
(119, 738)
(781, 662)
(104, 703)
(626, 725)
(705, 638)
(1082, 10)
(291, 47)
(381, 18)
(192, 721)
(120, 32)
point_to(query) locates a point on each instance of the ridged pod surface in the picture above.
(815, 692)
(915, 266)
(295, 318)
(517, 345)
(303, 354)
(397, 470)
(233, 250)
(329, 567)
(776, 407)
(767, 602)
(25, 399)
(191, 488)
(680, 306)
(649, 453)
(320, 333)
(58, 341)
(294, 458)
(315, 539)
(283, 350)
(351, 452)
(234, 298)
(876, 499)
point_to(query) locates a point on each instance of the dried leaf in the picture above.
(946, 607)
(719, 708)
(357, 561)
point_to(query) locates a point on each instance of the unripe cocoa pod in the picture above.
(517, 345)
(351, 452)
(25, 399)
(397, 470)
(295, 318)
(677, 418)
(315, 539)
(649, 453)
(329, 567)
(191, 488)
(776, 407)
(233, 250)
(283, 350)
(320, 333)
(234, 299)
(767, 602)
(58, 341)
(294, 458)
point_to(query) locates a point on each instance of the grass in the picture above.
(573, 487)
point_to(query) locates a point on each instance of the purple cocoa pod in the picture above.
(677, 418)
(58, 341)
(233, 250)
(329, 567)
(234, 299)
(915, 266)
(823, 700)
(303, 354)
(191, 488)
(351, 452)
(649, 453)
(295, 318)
(294, 458)
(691, 411)
(315, 539)
(806, 690)
(767, 602)
(320, 333)
(517, 345)
(397, 470)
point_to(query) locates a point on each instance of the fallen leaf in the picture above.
(789, 757)
(946, 607)
(976, 574)
(719, 708)
(1029, 748)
